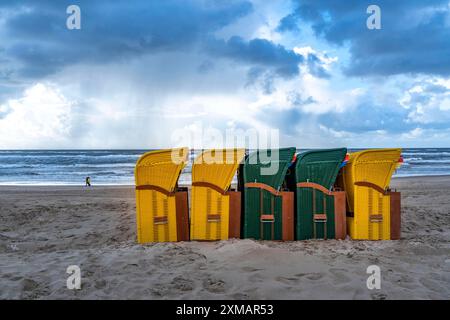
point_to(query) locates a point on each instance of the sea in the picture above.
(116, 167)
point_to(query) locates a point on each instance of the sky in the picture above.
(155, 74)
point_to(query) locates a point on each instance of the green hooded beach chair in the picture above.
(268, 210)
(319, 209)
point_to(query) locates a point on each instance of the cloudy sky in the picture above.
(140, 70)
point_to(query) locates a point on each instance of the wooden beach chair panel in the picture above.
(287, 211)
(395, 215)
(161, 213)
(156, 215)
(214, 208)
(210, 218)
(235, 203)
(340, 212)
(371, 215)
(366, 181)
(182, 210)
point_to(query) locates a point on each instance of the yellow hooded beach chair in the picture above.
(161, 207)
(215, 210)
(373, 210)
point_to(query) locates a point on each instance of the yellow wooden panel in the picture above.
(351, 227)
(206, 201)
(151, 204)
(370, 202)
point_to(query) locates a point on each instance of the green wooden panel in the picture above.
(304, 219)
(252, 214)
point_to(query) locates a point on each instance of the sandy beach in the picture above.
(43, 230)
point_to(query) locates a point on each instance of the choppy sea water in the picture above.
(116, 167)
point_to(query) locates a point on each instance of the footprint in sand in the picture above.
(310, 276)
(100, 284)
(131, 267)
(378, 296)
(340, 276)
(158, 290)
(214, 285)
(182, 284)
(256, 277)
(29, 285)
(250, 269)
(33, 290)
(239, 296)
(288, 280)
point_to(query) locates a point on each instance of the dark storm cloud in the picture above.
(414, 37)
(260, 52)
(37, 43)
(38, 40)
(289, 23)
(264, 55)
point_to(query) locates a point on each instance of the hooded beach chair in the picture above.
(215, 210)
(320, 209)
(162, 212)
(373, 210)
(268, 210)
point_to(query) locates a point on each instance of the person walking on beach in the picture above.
(88, 181)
